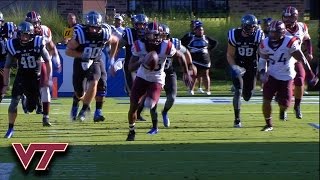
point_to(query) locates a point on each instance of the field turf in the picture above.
(201, 143)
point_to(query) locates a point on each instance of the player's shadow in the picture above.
(147, 159)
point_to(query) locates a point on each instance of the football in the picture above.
(151, 60)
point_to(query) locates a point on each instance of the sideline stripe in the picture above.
(317, 126)
(6, 170)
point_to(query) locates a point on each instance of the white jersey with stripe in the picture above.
(301, 32)
(281, 62)
(46, 33)
(157, 75)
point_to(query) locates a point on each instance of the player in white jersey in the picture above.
(281, 51)
(300, 30)
(149, 82)
(35, 19)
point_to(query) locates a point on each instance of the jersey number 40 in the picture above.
(28, 62)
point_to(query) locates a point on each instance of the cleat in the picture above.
(46, 122)
(165, 118)
(24, 104)
(98, 116)
(267, 128)
(140, 118)
(200, 90)
(9, 133)
(237, 123)
(208, 93)
(153, 131)
(283, 116)
(73, 113)
(298, 113)
(82, 115)
(131, 136)
(190, 92)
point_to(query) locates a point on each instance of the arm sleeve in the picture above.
(45, 54)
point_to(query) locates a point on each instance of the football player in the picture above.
(170, 86)
(281, 51)
(7, 30)
(86, 47)
(39, 29)
(128, 37)
(242, 57)
(300, 30)
(149, 82)
(28, 50)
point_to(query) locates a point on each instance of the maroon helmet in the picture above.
(35, 19)
(290, 16)
(153, 33)
(277, 31)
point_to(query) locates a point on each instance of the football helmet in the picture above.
(277, 31)
(140, 23)
(266, 24)
(94, 23)
(165, 31)
(93, 18)
(35, 19)
(153, 33)
(290, 16)
(249, 24)
(7, 30)
(25, 32)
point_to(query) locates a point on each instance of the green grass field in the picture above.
(200, 144)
